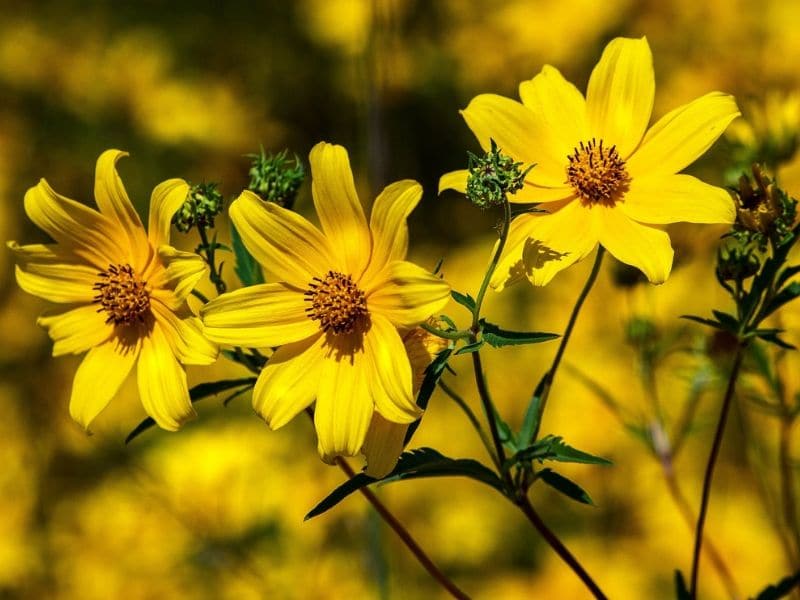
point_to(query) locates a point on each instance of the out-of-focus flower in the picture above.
(770, 131)
(125, 289)
(603, 179)
(343, 293)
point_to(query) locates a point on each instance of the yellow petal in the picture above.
(532, 193)
(99, 377)
(84, 231)
(47, 271)
(288, 383)
(645, 248)
(680, 137)
(455, 180)
(388, 223)
(283, 242)
(344, 404)
(390, 377)
(77, 330)
(162, 382)
(619, 99)
(676, 198)
(519, 133)
(406, 294)
(339, 209)
(181, 273)
(383, 446)
(185, 336)
(166, 199)
(541, 245)
(259, 316)
(558, 104)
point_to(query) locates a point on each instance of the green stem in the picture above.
(501, 243)
(215, 276)
(448, 335)
(488, 409)
(473, 419)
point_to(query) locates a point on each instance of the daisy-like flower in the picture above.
(343, 293)
(602, 176)
(124, 291)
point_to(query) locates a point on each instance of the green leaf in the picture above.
(787, 294)
(772, 337)
(566, 486)
(553, 448)
(729, 322)
(681, 590)
(469, 348)
(433, 372)
(449, 321)
(466, 301)
(781, 589)
(497, 337)
(198, 392)
(416, 464)
(701, 320)
(786, 275)
(530, 423)
(247, 269)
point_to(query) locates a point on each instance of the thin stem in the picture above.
(527, 508)
(712, 460)
(488, 409)
(498, 251)
(200, 296)
(551, 373)
(214, 275)
(788, 497)
(405, 536)
(455, 397)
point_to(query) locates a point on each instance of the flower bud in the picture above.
(275, 178)
(493, 176)
(202, 204)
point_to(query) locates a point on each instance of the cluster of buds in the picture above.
(276, 178)
(202, 204)
(737, 262)
(492, 177)
(764, 210)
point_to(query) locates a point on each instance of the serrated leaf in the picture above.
(433, 372)
(566, 486)
(469, 348)
(416, 464)
(781, 589)
(198, 392)
(554, 448)
(681, 590)
(464, 300)
(247, 269)
(498, 337)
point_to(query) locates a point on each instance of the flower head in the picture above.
(342, 294)
(602, 175)
(124, 290)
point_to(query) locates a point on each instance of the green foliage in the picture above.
(276, 178)
(530, 422)
(681, 589)
(247, 269)
(202, 204)
(493, 176)
(497, 337)
(464, 300)
(433, 372)
(566, 486)
(470, 348)
(781, 589)
(553, 447)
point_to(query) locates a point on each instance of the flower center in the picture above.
(597, 174)
(122, 295)
(336, 302)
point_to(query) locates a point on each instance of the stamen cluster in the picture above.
(122, 295)
(336, 302)
(597, 174)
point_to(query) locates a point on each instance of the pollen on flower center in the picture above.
(336, 302)
(597, 174)
(122, 294)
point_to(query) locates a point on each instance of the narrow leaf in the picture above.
(469, 348)
(709, 322)
(681, 589)
(247, 269)
(554, 448)
(781, 589)
(566, 486)
(464, 300)
(530, 423)
(497, 337)
(433, 372)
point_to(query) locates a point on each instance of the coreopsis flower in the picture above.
(124, 291)
(342, 294)
(600, 174)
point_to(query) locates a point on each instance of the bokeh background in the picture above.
(216, 511)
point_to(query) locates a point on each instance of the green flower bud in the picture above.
(736, 263)
(202, 204)
(492, 177)
(763, 209)
(276, 178)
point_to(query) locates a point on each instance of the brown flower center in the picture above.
(336, 302)
(122, 295)
(597, 174)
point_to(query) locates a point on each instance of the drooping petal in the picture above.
(454, 180)
(185, 336)
(390, 375)
(77, 330)
(388, 222)
(259, 316)
(162, 382)
(173, 277)
(283, 242)
(339, 209)
(675, 198)
(619, 99)
(166, 199)
(383, 446)
(519, 133)
(99, 377)
(646, 248)
(288, 383)
(541, 245)
(47, 271)
(406, 294)
(683, 135)
(84, 231)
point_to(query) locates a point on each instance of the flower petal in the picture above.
(645, 248)
(388, 223)
(675, 198)
(84, 231)
(519, 133)
(383, 446)
(259, 316)
(50, 272)
(541, 245)
(99, 377)
(683, 135)
(289, 381)
(77, 330)
(162, 382)
(390, 376)
(185, 336)
(532, 193)
(174, 281)
(166, 199)
(619, 99)
(284, 243)
(454, 180)
(339, 209)
(406, 294)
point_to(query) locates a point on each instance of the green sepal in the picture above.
(247, 269)
(498, 337)
(564, 485)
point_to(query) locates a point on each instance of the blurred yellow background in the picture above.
(216, 510)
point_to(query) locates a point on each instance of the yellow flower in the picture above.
(601, 177)
(343, 293)
(125, 290)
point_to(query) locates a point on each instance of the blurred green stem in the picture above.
(461, 403)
